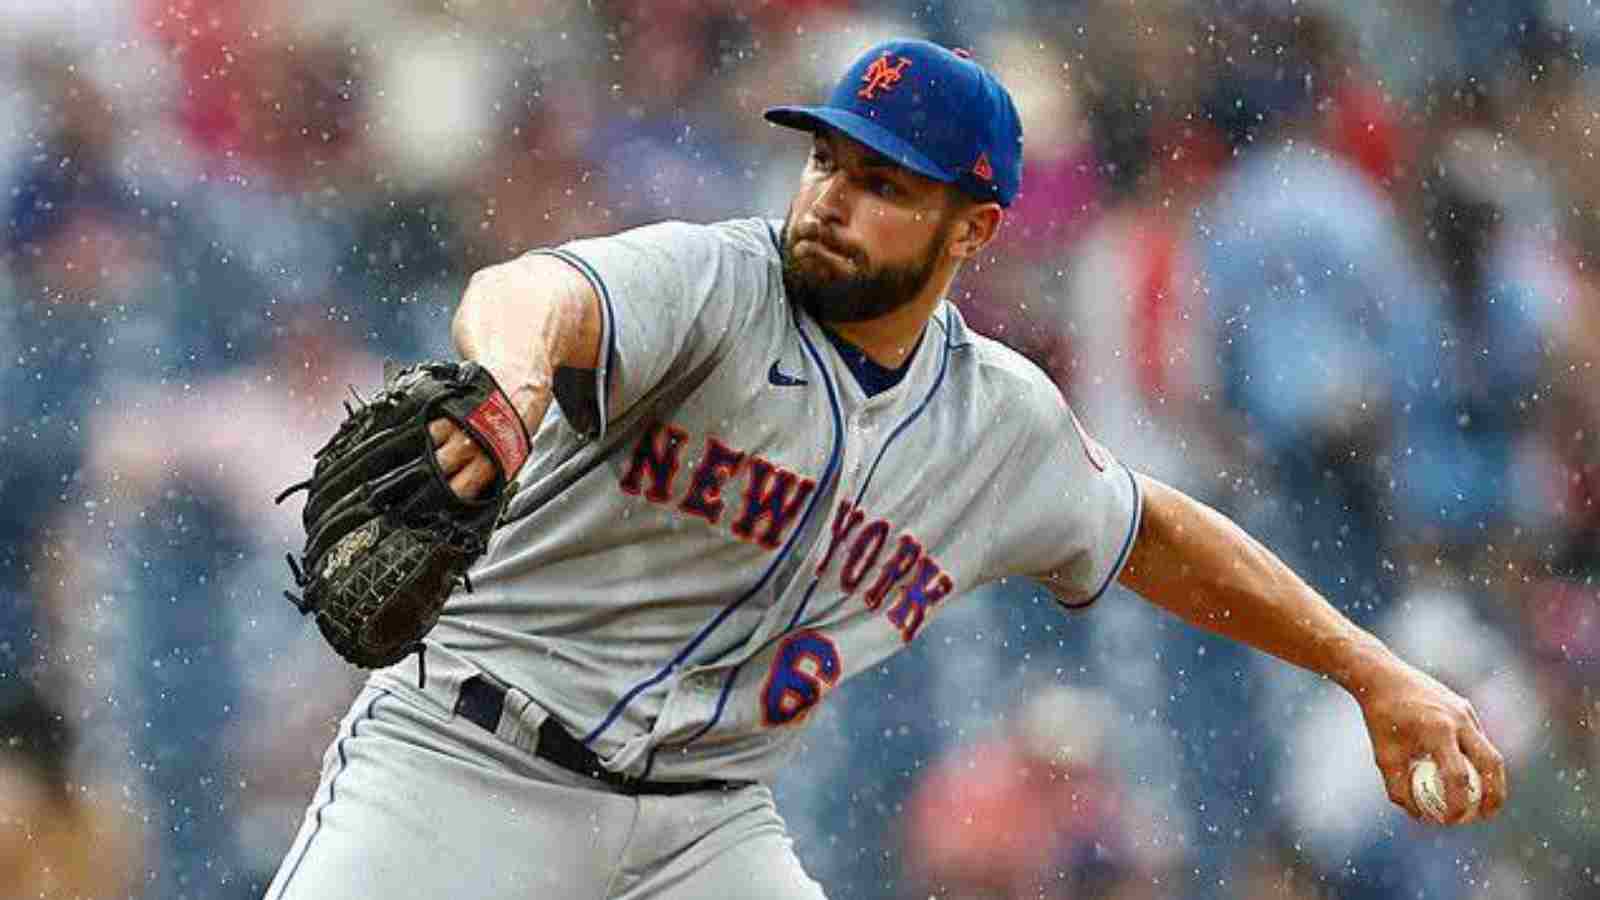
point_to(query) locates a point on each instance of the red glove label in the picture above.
(498, 424)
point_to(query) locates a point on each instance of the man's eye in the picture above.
(883, 187)
(819, 158)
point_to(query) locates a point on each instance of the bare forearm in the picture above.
(522, 319)
(1196, 563)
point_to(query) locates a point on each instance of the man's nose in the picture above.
(832, 204)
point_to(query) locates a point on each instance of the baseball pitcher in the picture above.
(686, 480)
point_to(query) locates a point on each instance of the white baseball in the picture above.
(1427, 789)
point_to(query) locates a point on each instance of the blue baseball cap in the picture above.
(932, 110)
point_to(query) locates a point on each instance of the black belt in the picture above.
(481, 701)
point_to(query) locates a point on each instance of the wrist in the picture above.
(522, 385)
(529, 399)
(1359, 662)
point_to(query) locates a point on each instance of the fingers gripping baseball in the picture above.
(1459, 782)
(1398, 787)
(1414, 721)
(1491, 768)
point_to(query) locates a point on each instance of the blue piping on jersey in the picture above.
(1133, 527)
(609, 325)
(938, 380)
(734, 647)
(727, 683)
(1127, 546)
(795, 619)
(949, 334)
(944, 365)
(332, 783)
(788, 545)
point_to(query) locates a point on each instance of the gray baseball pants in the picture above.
(417, 802)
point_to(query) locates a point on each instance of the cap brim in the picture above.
(860, 128)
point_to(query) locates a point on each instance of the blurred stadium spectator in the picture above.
(218, 696)
(1037, 811)
(59, 840)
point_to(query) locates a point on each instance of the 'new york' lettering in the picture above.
(771, 503)
(861, 547)
(900, 577)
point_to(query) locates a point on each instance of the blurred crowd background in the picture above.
(1330, 267)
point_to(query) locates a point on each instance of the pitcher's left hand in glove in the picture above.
(387, 536)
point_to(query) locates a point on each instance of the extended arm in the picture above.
(521, 320)
(1199, 565)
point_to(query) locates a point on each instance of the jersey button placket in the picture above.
(863, 435)
(850, 472)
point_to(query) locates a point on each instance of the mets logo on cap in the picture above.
(932, 110)
(882, 75)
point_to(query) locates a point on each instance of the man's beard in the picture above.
(856, 298)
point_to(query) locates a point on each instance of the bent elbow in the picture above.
(478, 295)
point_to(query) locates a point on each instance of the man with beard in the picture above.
(775, 453)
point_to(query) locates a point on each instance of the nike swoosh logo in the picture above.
(783, 379)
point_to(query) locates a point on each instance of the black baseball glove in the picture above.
(387, 540)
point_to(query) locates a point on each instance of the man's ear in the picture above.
(976, 225)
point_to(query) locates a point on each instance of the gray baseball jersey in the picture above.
(741, 528)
